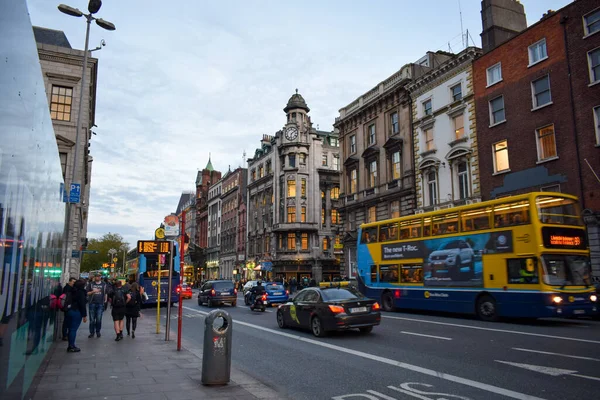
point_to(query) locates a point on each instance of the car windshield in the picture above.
(566, 270)
(557, 210)
(455, 244)
(340, 294)
(271, 286)
(223, 285)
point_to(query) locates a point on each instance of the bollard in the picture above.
(216, 356)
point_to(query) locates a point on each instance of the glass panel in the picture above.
(546, 142)
(557, 210)
(369, 235)
(459, 126)
(410, 229)
(412, 273)
(510, 214)
(566, 270)
(374, 273)
(445, 224)
(517, 271)
(501, 156)
(474, 220)
(388, 273)
(388, 232)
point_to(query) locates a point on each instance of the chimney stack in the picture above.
(501, 21)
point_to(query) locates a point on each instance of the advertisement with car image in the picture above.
(457, 260)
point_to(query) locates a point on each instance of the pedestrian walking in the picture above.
(66, 320)
(96, 291)
(132, 308)
(293, 285)
(118, 301)
(75, 304)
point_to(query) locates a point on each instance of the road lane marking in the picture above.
(415, 368)
(547, 370)
(557, 354)
(481, 328)
(421, 334)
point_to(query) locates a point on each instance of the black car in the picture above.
(329, 309)
(217, 292)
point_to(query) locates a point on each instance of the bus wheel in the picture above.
(387, 302)
(486, 309)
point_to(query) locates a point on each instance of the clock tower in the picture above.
(298, 121)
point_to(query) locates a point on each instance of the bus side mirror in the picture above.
(530, 265)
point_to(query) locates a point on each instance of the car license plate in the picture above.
(579, 312)
(277, 294)
(358, 309)
(224, 293)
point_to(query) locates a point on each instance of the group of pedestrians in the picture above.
(125, 300)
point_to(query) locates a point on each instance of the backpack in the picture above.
(54, 303)
(134, 299)
(65, 301)
(118, 298)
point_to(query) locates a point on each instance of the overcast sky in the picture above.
(181, 79)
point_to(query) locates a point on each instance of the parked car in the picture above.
(217, 293)
(450, 257)
(186, 291)
(329, 309)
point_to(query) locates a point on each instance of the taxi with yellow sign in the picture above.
(334, 306)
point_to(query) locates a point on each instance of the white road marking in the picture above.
(548, 370)
(421, 334)
(426, 371)
(495, 330)
(557, 354)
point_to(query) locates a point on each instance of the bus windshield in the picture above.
(557, 210)
(566, 270)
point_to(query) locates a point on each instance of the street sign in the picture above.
(153, 247)
(115, 259)
(75, 193)
(171, 225)
(75, 254)
(159, 233)
(89, 251)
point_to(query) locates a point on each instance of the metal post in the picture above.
(158, 298)
(181, 268)
(170, 288)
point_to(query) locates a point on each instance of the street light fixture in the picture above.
(124, 249)
(111, 254)
(93, 7)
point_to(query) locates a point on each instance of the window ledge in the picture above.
(496, 124)
(495, 83)
(540, 107)
(590, 34)
(594, 83)
(546, 160)
(537, 62)
(501, 172)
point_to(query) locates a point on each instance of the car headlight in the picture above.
(593, 298)
(557, 299)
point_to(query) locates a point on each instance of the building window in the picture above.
(291, 214)
(292, 158)
(463, 180)
(304, 241)
(325, 244)
(303, 188)
(353, 180)
(396, 167)
(371, 134)
(546, 142)
(551, 188)
(594, 61)
(322, 194)
(432, 187)
(429, 145)
(395, 127)
(540, 89)
(372, 173)
(597, 123)
(352, 144)
(456, 92)
(269, 167)
(501, 156)
(459, 126)
(60, 104)
(395, 209)
(253, 175)
(261, 171)
(334, 142)
(324, 161)
(336, 162)
(427, 107)
(335, 217)
(323, 216)
(537, 52)
(291, 186)
(335, 193)
(494, 74)
(592, 22)
(291, 241)
(303, 214)
(63, 163)
(372, 214)
(497, 110)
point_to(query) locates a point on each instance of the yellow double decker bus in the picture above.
(518, 256)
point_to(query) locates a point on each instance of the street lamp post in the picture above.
(124, 250)
(111, 254)
(93, 7)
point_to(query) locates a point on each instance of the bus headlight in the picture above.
(557, 299)
(593, 298)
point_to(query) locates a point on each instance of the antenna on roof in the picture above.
(462, 35)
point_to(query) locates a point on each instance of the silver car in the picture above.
(450, 257)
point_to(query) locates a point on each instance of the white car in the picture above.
(248, 285)
(450, 257)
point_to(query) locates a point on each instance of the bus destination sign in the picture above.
(153, 247)
(564, 238)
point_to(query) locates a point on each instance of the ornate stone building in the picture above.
(204, 180)
(293, 191)
(214, 230)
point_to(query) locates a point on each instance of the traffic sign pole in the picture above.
(158, 300)
(181, 262)
(169, 289)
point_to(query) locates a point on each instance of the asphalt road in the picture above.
(414, 355)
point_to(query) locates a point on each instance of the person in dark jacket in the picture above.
(132, 308)
(76, 312)
(118, 300)
(66, 321)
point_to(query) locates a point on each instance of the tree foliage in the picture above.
(91, 262)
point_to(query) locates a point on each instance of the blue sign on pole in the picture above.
(74, 253)
(75, 193)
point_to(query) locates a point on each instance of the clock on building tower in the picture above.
(291, 133)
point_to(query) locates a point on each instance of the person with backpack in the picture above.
(132, 308)
(66, 321)
(74, 305)
(118, 301)
(96, 290)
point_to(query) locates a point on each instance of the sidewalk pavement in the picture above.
(144, 368)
